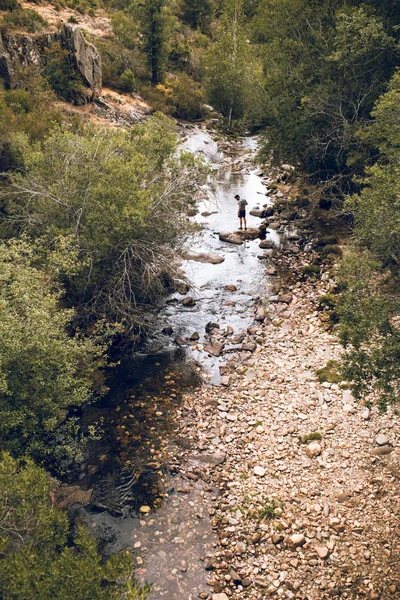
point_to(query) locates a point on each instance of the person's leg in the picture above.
(245, 223)
(240, 223)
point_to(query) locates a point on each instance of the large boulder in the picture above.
(25, 50)
(211, 258)
(266, 244)
(85, 56)
(231, 238)
(251, 233)
(16, 51)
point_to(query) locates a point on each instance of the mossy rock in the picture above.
(310, 271)
(332, 250)
(330, 373)
(328, 301)
(326, 240)
(302, 202)
(311, 437)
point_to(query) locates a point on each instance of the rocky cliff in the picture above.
(18, 50)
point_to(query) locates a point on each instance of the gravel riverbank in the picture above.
(306, 500)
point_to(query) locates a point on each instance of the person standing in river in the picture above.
(242, 203)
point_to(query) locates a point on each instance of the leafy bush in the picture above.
(331, 250)
(10, 5)
(310, 271)
(369, 327)
(43, 370)
(187, 97)
(116, 60)
(28, 110)
(127, 81)
(326, 240)
(330, 373)
(370, 303)
(37, 558)
(61, 73)
(328, 301)
(26, 19)
(126, 210)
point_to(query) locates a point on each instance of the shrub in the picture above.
(26, 19)
(127, 81)
(310, 437)
(126, 210)
(10, 5)
(330, 373)
(328, 301)
(187, 97)
(28, 111)
(61, 73)
(43, 370)
(331, 250)
(37, 557)
(116, 60)
(310, 271)
(326, 240)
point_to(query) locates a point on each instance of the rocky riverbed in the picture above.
(268, 481)
(307, 503)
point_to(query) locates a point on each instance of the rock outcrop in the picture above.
(23, 50)
(85, 55)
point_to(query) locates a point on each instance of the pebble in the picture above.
(296, 540)
(313, 449)
(259, 471)
(145, 510)
(381, 440)
(322, 551)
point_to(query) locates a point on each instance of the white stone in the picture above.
(296, 540)
(365, 414)
(220, 597)
(381, 440)
(260, 471)
(313, 449)
(322, 551)
(347, 397)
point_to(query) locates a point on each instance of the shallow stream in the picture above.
(141, 500)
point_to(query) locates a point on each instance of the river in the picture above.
(142, 499)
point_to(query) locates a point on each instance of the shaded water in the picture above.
(152, 506)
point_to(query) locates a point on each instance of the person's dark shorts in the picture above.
(242, 213)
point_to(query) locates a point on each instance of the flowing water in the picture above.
(142, 500)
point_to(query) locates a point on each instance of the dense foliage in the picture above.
(123, 212)
(370, 305)
(43, 370)
(38, 558)
(90, 219)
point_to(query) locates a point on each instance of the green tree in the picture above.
(153, 29)
(370, 304)
(197, 13)
(26, 109)
(37, 559)
(43, 370)
(124, 213)
(233, 79)
(324, 66)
